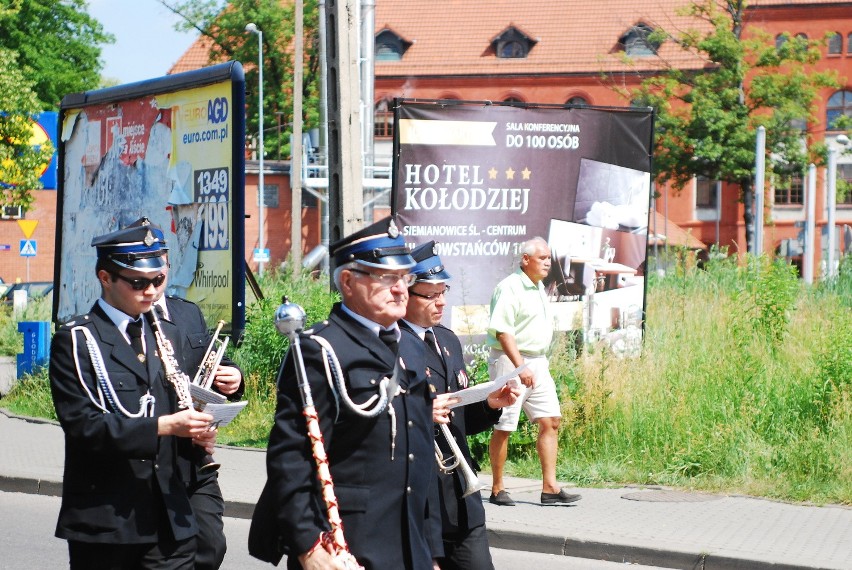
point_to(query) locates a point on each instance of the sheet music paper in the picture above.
(224, 413)
(200, 394)
(480, 391)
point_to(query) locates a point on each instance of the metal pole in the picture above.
(368, 75)
(252, 28)
(323, 204)
(296, 147)
(759, 176)
(831, 180)
(718, 210)
(808, 255)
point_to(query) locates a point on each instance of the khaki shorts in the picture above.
(538, 402)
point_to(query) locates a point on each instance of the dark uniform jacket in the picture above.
(449, 374)
(195, 337)
(120, 480)
(383, 500)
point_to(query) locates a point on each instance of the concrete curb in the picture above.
(626, 554)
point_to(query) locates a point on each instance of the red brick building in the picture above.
(550, 52)
(539, 52)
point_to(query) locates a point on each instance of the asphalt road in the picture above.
(27, 542)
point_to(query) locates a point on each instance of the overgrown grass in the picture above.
(743, 386)
(11, 341)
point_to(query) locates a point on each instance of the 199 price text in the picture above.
(212, 190)
(553, 142)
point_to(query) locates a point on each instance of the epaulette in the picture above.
(75, 321)
(440, 326)
(176, 298)
(316, 327)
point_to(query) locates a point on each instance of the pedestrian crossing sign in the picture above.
(28, 247)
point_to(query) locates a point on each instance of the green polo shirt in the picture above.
(520, 307)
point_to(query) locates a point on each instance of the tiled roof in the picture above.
(572, 37)
(453, 37)
(196, 57)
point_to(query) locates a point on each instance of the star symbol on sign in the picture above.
(492, 174)
(510, 174)
(526, 173)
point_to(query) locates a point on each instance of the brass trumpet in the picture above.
(469, 481)
(212, 357)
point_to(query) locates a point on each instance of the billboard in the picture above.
(171, 149)
(482, 178)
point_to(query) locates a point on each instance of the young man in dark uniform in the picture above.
(376, 422)
(124, 504)
(202, 482)
(463, 518)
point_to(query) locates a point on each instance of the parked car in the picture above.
(33, 289)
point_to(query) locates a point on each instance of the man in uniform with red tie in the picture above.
(463, 518)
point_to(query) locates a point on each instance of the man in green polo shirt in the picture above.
(520, 331)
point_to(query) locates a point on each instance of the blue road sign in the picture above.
(28, 247)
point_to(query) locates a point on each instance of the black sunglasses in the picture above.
(140, 283)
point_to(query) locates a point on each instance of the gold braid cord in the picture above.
(333, 540)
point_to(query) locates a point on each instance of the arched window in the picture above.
(383, 120)
(512, 43)
(389, 46)
(637, 42)
(839, 105)
(512, 49)
(576, 100)
(512, 99)
(849, 44)
(844, 172)
(835, 44)
(780, 40)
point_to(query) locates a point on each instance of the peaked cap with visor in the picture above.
(428, 268)
(139, 247)
(379, 245)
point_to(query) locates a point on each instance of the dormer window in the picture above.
(390, 46)
(512, 43)
(636, 41)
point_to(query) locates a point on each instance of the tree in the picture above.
(58, 45)
(20, 161)
(224, 27)
(707, 120)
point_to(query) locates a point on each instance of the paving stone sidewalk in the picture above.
(650, 526)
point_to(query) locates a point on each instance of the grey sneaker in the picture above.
(561, 497)
(502, 498)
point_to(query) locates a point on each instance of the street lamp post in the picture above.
(253, 29)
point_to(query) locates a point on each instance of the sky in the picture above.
(146, 43)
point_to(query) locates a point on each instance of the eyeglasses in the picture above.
(140, 283)
(388, 279)
(431, 297)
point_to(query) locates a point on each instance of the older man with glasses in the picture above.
(374, 409)
(124, 504)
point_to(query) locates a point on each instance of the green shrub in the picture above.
(262, 349)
